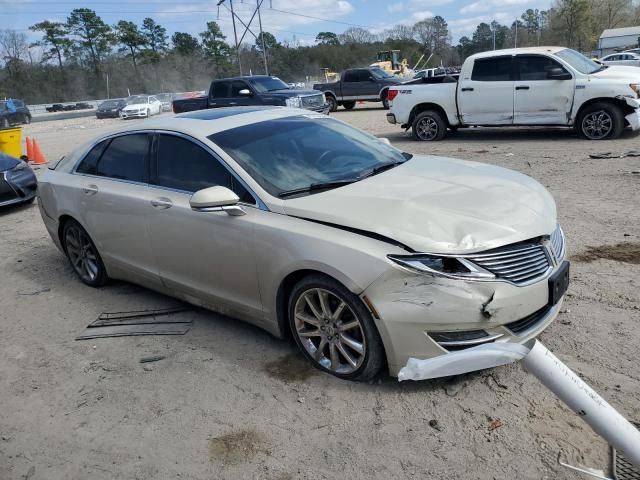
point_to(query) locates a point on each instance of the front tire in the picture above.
(333, 103)
(601, 121)
(83, 254)
(429, 126)
(27, 119)
(148, 113)
(348, 105)
(4, 123)
(334, 329)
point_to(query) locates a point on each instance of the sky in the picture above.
(292, 20)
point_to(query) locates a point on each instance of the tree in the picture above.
(327, 38)
(356, 35)
(94, 36)
(128, 34)
(13, 49)
(270, 42)
(574, 17)
(185, 44)
(483, 38)
(433, 33)
(155, 39)
(54, 41)
(214, 45)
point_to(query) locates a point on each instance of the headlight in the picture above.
(636, 88)
(293, 102)
(445, 266)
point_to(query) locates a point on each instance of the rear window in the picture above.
(220, 90)
(496, 69)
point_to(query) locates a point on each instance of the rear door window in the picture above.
(125, 158)
(220, 90)
(496, 69)
(350, 76)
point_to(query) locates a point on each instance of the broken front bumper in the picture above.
(422, 316)
(633, 118)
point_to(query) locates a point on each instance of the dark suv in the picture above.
(110, 108)
(13, 112)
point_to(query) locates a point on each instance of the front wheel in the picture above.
(348, 105)
(429, 126)
(148, 113)
(334, 329)
(4, 122)
(83, 254)
(333, 103)
(27, 119)
(600, 121)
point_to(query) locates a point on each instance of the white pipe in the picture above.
(584, 401)
(551, 372)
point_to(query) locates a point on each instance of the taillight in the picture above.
(392, 94)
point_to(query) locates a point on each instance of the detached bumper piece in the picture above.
(17, 187)
(623, 469)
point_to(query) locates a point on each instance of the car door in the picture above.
(204, 255)
(486, 96)
(350, 85)
(219, 94)
(538, 99)
(235, 98)
(370, 86)
(110, 186)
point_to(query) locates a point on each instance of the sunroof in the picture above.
(216, 113)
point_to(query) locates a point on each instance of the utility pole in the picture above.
(235, 33)
(515, 40)
(264, 50)
(494, 38)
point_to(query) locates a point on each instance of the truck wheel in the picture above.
(601, 120)
(429, 126)
(27, 119)
(348, 105)
(4, 123)
(385, 101)
(333, 104)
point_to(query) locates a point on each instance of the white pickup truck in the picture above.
(523, 86)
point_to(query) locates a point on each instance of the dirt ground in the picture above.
(230, 401)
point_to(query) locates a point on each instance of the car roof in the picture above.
(517, 51)
(203, 123)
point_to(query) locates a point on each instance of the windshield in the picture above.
(110, 104)
(380, 73)
(578, 61)
(267, 84)
(298, 152)
(137, 100)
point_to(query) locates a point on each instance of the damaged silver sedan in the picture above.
(310, 228)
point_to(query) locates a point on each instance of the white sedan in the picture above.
(623, 58)
(310, 228)
(141, 106)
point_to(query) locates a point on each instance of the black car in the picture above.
(56, 107)
(253, 90)
(17, 181)
(110, 108)
(13, 112)
(83, 106)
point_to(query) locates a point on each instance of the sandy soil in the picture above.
(229, 401)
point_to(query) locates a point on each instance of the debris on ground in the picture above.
(435, 425)
(494, 424)
(605, 155)
(167, 321)
(622, 468)
(153, 358)
(628, 252)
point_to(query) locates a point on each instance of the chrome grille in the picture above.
(519, 263)
(310, 101)
(557, 243)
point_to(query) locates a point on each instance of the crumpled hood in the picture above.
(438, 205)
(619, 72)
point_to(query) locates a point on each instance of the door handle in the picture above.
(90, 189)
(161, 203)
(522, 87)
(467, 89)
(233, 103)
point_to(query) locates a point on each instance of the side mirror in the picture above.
(558, 74)
(216, 199)
(245, 92)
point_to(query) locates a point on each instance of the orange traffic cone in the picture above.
(29, 148)
(38, 157)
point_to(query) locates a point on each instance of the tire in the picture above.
(429, 126)
(148, 113)
(333, 103)
(83, 255)
(351, 346)
(27, 119)
(385, 101)
(348, 105)
(601, 121)
(4, 123)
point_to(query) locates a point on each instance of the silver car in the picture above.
(623, 58)
(310, 228)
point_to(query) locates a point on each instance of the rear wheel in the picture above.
(429, 126)
(148, 113)
(348, 105)
(600, 121)
(385, 101)
(27, 119)
(333, 103)
(83, 254)
(334, 329)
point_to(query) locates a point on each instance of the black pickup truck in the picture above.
(367, 84)
(253, 90)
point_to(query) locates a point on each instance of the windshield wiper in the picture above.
(317, 186)
(381, 168)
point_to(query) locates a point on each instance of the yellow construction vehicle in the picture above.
(329, 75)
(389, 61)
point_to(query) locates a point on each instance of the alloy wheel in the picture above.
(330, 332)
(597, 125)
(427, 128)
(82, 254)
